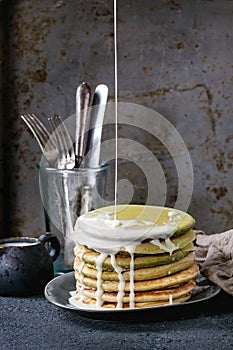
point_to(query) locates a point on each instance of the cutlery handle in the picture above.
(95, 126)
(83, 98)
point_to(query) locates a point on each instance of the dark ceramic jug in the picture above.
(26, 264)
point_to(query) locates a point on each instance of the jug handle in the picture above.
(54, 249)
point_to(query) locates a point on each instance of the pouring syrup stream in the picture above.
(116, 110)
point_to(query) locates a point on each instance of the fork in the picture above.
(44, 138)
(66, 159)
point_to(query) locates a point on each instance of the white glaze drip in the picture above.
(81, 276)
(167, 246)
(131, 282)
(98, 232)
(75, 301)
(99, 289)
(121, 285)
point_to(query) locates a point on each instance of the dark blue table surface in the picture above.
(35, 323)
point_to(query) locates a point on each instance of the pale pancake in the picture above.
(158, 215)
(89, 257)
(148, 248)
(140, 274)
(145, 296)
(178, 300)
(149, 285)
(180, 242)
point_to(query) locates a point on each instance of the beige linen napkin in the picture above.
(214, 255)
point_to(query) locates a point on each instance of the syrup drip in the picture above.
(99, 289)
(116, 100)
(121, 285)
(81, 286)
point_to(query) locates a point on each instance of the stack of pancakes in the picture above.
(163, 270)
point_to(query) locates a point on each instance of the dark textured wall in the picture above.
(174, 57)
